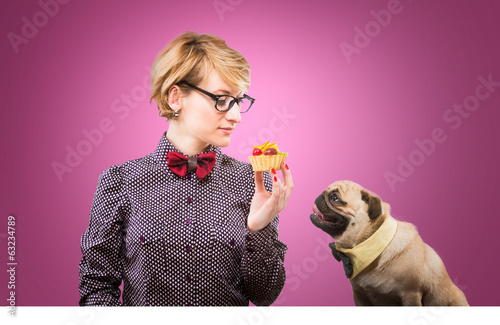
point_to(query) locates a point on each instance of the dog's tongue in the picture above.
(316, 211)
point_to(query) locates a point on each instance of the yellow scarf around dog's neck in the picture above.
(365, 253)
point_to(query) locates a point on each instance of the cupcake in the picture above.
(267, 156)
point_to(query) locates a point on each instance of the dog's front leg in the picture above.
(412, 298)
(360, 299)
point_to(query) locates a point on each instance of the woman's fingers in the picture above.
(287, 179)
(276, 186)
(259, 182)
(276, 183)
(287, 175)
(281, 190)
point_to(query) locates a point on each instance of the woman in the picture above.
(187, 224)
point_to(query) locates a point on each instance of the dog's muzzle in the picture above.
(327, 220)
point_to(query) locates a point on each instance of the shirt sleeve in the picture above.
(100, 268)
(262, 266)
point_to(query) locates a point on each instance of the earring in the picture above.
(176, 113)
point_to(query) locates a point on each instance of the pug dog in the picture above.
(385, 260)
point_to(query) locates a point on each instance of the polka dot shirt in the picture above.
(178, 241)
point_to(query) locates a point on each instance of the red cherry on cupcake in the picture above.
(257, 152)
(270, 152)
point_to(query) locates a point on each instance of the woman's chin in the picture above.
(222, 142)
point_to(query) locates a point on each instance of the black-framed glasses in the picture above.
(224, 103)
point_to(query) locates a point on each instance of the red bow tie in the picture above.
(180, 164)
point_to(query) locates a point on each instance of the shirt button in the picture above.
(189, 200)
(248, 238)
(188, 222)
(188, 176)
(188, 278)
(142, 239)
(188, 249)
(250, 249)
(232, 242)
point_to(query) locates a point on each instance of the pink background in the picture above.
(337, 119)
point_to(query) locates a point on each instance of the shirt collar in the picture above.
(165, 146)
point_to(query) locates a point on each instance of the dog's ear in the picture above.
(374, 204)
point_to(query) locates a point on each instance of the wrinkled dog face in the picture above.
(344, 209)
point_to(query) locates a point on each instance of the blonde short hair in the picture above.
(190, 57)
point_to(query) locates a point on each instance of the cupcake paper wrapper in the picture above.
(264, 163)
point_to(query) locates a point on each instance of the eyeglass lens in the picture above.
(225, 103)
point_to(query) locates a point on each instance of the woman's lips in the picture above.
(227, 130)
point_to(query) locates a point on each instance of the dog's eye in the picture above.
(334, 197)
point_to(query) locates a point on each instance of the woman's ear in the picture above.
(174, 97)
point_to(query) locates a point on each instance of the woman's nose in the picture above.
(234, 114)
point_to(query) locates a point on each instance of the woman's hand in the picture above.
(265, 206)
